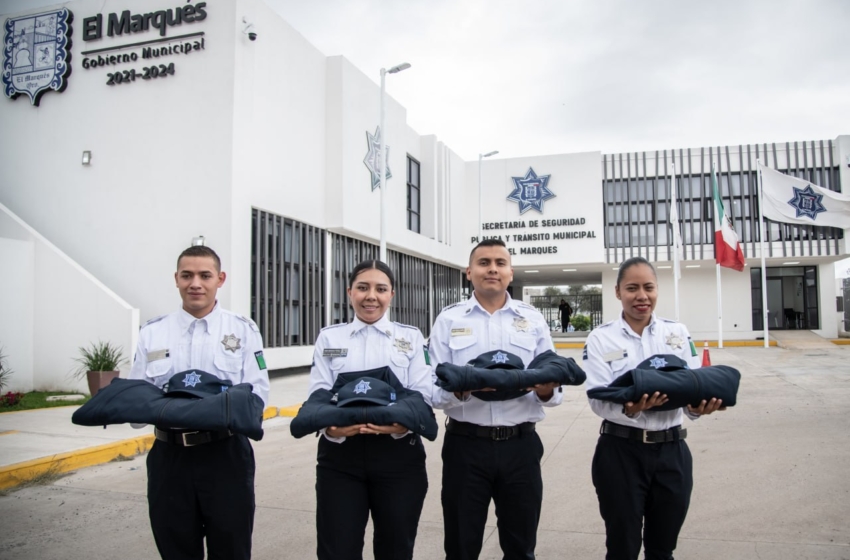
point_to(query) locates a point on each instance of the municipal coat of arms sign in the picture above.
(531, 191)
(36, 54)
(373, 157)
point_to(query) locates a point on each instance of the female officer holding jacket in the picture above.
(642, 468)
(367, 468)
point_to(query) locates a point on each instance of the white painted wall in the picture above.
(161, 158)
(52, 306)
(826, 294)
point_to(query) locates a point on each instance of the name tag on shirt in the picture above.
(158, 355)
(615, 355)
(335, 352)
(462, 331)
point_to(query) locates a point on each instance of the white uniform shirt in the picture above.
(359, 346)
(614, 348)
(466, 330)
(223, 343)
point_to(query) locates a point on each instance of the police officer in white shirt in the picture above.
(642, 468)
(365, 467)
(491, 449)
(201, 483)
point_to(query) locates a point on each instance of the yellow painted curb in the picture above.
(841, 341)
(17, 474)
(573, 345)
(8, 432)
(290, 411)
(701, 344)
(270, 412)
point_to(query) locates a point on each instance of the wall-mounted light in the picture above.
(569, 270)
(87, 157)
(198, 241)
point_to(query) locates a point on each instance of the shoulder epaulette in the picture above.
(250, 322)
(154, 320)
(668, 320)
(526, 305)
(608, 324)
(446, 308)
(405, 326)
(335, 325)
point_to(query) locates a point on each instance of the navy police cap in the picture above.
(195, 383)
(497, 359)
(366, 390)
(663, 362)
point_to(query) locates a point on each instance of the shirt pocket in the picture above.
(156, 370)
(522, 345)
(463, 349)
(229, 367)
(400, 366)
(337, 364)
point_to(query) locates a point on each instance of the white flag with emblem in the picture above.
(796, 201)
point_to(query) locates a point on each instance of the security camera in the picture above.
(249, 30)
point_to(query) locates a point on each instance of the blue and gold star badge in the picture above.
(531, 191)
(807, 202)
(373, 160)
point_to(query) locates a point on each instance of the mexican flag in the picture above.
(727, 250)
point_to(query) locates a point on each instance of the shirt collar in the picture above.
(473, 303)
(382, 325)
(188, 321)
(628, 330)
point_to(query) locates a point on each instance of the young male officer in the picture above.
(491, 449)
(201, 483)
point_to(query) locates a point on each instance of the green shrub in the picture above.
(580, 322)
(99, 356)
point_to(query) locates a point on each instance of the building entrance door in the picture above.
(792, 298)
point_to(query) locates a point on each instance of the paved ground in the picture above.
(771, 480)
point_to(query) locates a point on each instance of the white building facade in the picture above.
(194, 129)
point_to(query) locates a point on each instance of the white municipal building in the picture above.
(167, 122)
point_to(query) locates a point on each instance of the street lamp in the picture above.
(480, 198)
(383, 155)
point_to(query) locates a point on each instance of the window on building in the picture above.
(413, 195)
(287, 279)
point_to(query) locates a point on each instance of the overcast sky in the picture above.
(560, 76)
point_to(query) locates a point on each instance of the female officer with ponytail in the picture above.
(365, 468)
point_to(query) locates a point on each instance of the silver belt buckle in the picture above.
(186, 443)
(645, 433)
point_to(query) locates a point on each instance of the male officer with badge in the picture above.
(201, 483)
(491, 449)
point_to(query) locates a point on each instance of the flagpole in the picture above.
(718, 223)
(676, 263)
(761, 250)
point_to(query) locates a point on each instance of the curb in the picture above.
(15, 475)
(20, 473)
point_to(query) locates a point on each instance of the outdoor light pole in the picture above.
(383, 155)
(480, 198)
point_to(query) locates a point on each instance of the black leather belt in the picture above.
(496, 433)
(644, 436)
(190, 438)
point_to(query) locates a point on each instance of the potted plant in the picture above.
(99, 363)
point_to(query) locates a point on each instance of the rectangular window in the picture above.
(413, 195)
(287, 279)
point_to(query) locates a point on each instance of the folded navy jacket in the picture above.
(374, 396)
(234, 408)
(670, 375)
(506, 373)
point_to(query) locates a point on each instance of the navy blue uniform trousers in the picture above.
(476, 470)
(204, 491)
(363, 474)
(642, 486)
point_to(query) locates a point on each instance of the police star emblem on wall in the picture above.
(807, 202)
(531, 191)
(36, 52)
(373, 160)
